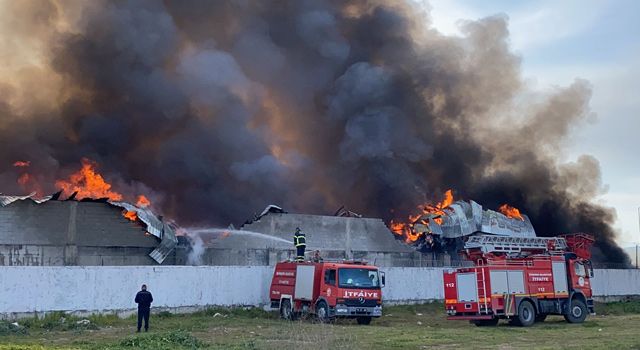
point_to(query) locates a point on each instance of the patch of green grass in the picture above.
(164, 314)
(60, 321)
(177, 339)
(108, 320)
(248, 312)
(618, 308)
(8, 328)
(421, 326)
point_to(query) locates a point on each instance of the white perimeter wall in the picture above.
(96, 289)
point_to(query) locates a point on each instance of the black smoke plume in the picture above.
(218, 108)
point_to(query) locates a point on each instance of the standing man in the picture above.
(301, 244)
(144, 300)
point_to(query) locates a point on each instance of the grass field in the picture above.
(617, 326)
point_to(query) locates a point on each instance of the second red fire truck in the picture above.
(521, 279)
(349, 289)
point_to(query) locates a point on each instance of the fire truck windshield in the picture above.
(358, 278)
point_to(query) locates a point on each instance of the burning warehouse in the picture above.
(93, 226)
(46, 231)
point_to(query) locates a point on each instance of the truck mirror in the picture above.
(382, 279)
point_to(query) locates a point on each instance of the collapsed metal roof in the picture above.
(466, 218)
(154, 225)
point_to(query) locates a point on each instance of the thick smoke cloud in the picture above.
(219, 108)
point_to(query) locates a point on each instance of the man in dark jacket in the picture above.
(144, 300)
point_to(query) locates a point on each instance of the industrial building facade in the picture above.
(68, 233)
(53, 232)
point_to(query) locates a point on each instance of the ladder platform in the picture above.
(509, 244)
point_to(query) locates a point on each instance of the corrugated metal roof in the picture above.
(6, 200)
(155, 227)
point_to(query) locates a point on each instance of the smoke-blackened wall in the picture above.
(218, 108)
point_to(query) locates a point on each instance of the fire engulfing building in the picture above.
(50, 232)
(444, 228)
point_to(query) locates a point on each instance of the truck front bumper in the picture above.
(354, 311)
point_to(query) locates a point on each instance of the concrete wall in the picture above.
(25, 290)
(48, 288)
(615, 283)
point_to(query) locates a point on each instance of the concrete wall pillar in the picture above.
(71, 249)
(347, 248)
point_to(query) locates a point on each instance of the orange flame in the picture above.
(511, 212)
(438, 209)
(24, 179)
(407, 230)
(130, 214)
(143, 201)
(27, 181)
(88, 183)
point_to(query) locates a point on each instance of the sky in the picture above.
(559, 41)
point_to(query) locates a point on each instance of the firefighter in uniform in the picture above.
(300, 242)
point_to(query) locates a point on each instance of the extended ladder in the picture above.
(509, 244)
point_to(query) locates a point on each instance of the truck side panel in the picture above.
(284, 280)
(499, 284)
(515, 279)
(467, 287)
(559, 278)
(450, 287)
(305, 278)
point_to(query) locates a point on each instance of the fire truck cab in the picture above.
(349, 289)
(521, 279)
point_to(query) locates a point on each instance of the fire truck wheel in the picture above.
(577, 312)
(526, 314)
(322, 311)
(363, 320)
(285, 310)
(541, 317)
(484, 323)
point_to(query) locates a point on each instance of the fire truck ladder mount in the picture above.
(508, 244)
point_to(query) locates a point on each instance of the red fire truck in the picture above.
(521, 279)
(349, 289)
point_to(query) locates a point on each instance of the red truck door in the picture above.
(329, 290)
